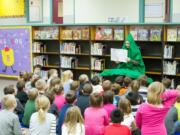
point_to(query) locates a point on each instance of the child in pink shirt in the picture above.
(96, 117)
(108, 102)
(59, 99)
(150, 116)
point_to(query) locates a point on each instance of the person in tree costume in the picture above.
(134, 67)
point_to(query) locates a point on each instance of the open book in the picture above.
(119, 55)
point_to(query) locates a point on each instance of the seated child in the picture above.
(115, 88)
(108, 102)
(59, 99)
(125, 107)
(42, 122)
(21, 94)
(95, 116)
(73, 123)
(53, 108)
(51, 74)
(126, 86)
(19, 110)
(83, 78)
(74, 87)
(116, 128)
(96, 85)
(107, 85)
(143, 90)
(41, 86)
(9, 122)
(29, 107)
(67, 79)
(83, 100)
(70, 99)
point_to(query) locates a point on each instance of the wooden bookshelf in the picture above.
(84, 38)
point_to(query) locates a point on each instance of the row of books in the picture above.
(170, 68)
(173, 34)
(70, 48)
(146, 34)
(97, 64)
(69, 62)
(98, 49)
(76, 34)
(40, 60)
(108, 33)
(38, 47)
(168, 51)
(47, 33)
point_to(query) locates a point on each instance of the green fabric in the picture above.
(134, 54)
(28, 111)
(129, 69)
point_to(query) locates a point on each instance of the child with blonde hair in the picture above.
(154, 112)
(67, 79)
(51, 74)
(125, 107)
(73, 123)
(42, 122)
(41, 86)
(9, 122)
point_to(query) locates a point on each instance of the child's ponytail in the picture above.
(41, 115)
(42, 105)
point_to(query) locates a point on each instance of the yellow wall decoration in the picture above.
(9, 8)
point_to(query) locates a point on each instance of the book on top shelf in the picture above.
(155, 35)
(143, 35)
(67, 34)
(85, 33)
(118, 34)
(134, 33)
(77, 34)
(104, 33)
(171, 34)
(178, 34)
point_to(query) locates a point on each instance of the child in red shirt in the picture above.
(116, 128)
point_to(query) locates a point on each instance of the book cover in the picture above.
(107, 34)
(67, 34)
(99, 33)
(155, 35)
(104, 33)
(77, 34)
(178, 34)
(118, 34)
(143, 35)
(85, 34)
(134, 33)
(172, 34)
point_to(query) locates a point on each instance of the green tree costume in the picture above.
(130, 68)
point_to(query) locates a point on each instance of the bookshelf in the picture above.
(75, 49)
(86, 49)
(46, 48)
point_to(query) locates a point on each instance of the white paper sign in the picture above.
(154, 10)
(118, 55)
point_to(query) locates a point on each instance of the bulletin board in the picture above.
(15, 51)
(12, 8)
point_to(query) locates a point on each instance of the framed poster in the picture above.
(12, 8)
(35, 13)
(15, 51)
